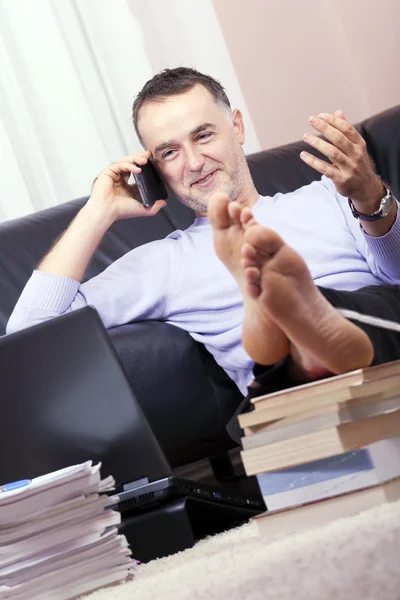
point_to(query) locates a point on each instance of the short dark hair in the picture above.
(176, 81)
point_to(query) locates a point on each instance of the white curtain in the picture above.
(69, 72)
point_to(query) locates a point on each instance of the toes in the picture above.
(252, 281)
(249, 254)
(253, 275)
(245, 263)
(246, 217)
(263, 239)
(217, 211)
(234, 210)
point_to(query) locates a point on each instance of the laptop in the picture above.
(65, 399)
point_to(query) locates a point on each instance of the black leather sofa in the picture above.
(186, 396)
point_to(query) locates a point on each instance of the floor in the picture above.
(356, 557)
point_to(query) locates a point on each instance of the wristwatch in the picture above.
(381, 213)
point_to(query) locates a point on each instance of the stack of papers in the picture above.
(59, 536)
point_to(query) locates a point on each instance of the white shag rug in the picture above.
(355, 558)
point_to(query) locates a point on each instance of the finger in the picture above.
(335, 128)
(319, 165)
(339, 114)
(116, 170)
(329, 150)
(334, 135)
(141, 157)
(153, 210)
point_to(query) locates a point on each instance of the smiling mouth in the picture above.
(205, 180)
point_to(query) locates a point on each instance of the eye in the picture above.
(168, 154)
(204, 136)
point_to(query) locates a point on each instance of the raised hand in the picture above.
(351, 169)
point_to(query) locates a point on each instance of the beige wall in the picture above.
(188, 32)
(297, 58)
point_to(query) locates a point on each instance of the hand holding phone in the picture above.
(115, 198)
(150, 185)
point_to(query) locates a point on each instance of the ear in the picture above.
(238, 125)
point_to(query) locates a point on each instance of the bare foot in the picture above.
(229, 221)
(280, 285)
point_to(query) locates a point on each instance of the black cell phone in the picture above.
(150, 185)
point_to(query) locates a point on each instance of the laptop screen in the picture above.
(65, 399)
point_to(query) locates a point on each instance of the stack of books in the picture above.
(59, 536)
(326, 449)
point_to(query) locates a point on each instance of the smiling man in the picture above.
(274, 304)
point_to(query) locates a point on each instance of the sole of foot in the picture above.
(281, 290)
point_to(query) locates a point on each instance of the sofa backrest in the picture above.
(24, 242)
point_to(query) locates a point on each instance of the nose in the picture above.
(194, 159)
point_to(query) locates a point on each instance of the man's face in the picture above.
(196, 146)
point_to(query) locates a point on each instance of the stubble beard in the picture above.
(232, 186)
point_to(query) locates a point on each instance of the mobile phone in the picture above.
(150, 185)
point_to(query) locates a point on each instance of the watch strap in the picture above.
(378, 214)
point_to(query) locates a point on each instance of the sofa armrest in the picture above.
(186, 397)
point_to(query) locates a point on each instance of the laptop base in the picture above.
(178, 525)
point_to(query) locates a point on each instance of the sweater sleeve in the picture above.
(381, 253)
(134, 287)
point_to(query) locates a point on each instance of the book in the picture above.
(321, 405)
(372, 465)
(321, 444)
(325, 440)
(358, 377)
(319, 418)
(290, 402)
(320, 512)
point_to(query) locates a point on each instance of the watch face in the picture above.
(386, 205)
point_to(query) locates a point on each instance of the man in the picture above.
(186, 125)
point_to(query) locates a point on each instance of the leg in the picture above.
(378, 301)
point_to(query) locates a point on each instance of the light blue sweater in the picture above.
(181, 280)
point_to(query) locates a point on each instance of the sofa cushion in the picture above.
(186, 397)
